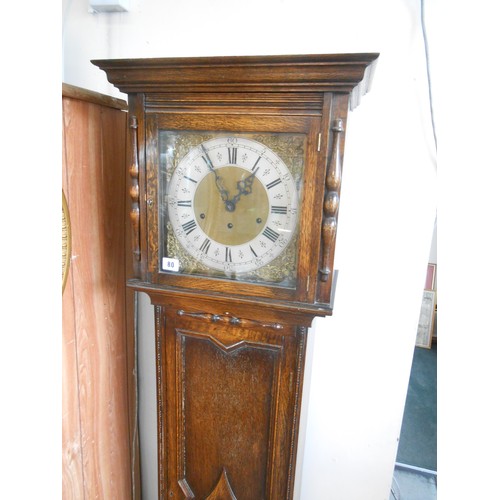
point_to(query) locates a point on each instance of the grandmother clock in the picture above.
(235, 167)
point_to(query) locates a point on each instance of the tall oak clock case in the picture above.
(235, 166)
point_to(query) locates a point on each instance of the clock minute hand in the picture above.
(219, 182)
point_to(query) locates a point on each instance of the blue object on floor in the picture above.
(418, 438)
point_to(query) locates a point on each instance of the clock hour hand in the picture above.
(244, 187)
(219, 182)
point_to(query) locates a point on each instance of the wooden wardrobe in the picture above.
(100, 453)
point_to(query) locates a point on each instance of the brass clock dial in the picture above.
(232, 204)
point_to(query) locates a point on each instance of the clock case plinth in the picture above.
(230, 355)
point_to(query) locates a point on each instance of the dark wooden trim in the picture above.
(218, 303)
(297, 73)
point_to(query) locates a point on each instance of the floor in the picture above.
(415, 474)
(409, 484)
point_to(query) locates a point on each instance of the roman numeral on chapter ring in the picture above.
(274, 183)
(205, 247)
(233, 155)
(270, 234)
(185, 203)
(189, 227)
(279, 210)
(255, 164)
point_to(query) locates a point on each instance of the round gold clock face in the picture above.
(232, 204)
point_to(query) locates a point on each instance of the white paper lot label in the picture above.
(168, 264)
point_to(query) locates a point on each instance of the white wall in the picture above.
(359, 359)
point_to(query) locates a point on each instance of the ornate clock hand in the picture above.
(219, 182)
(244, 187)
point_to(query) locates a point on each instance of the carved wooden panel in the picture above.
(228, 414)
(227, 395)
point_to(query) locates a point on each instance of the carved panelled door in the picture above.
(228, 405)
